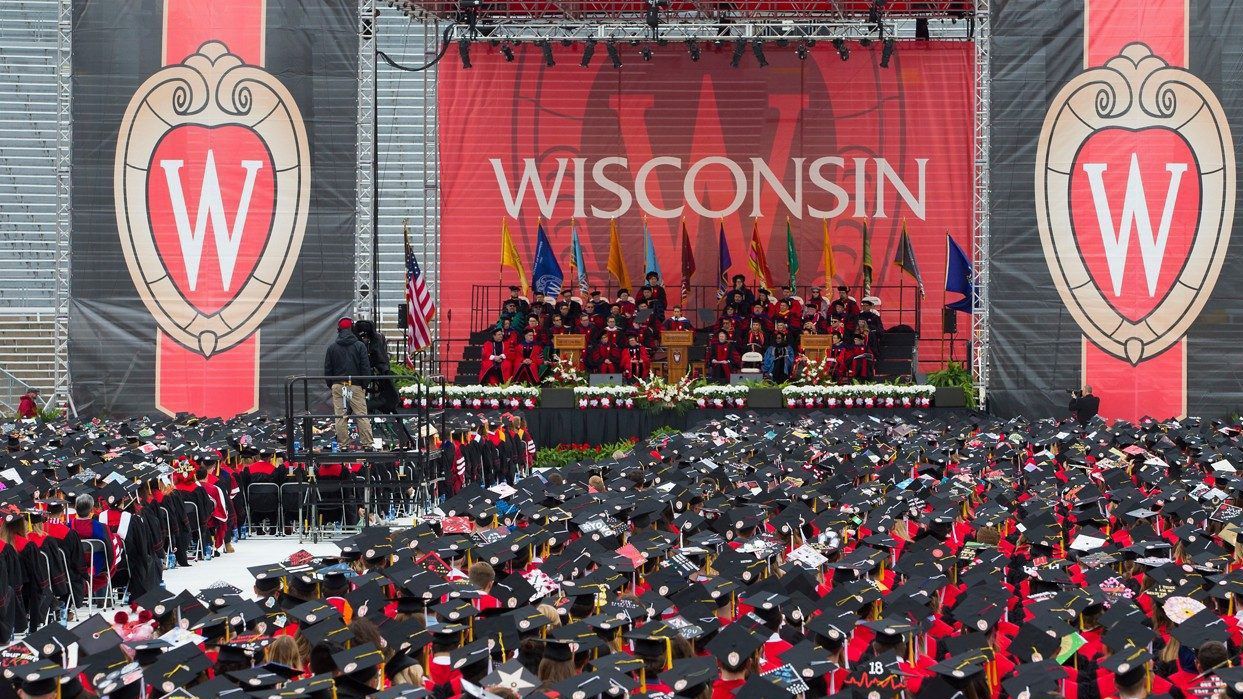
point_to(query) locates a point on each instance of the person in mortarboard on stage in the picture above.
(520, 303)
(525, 360)
(494, 370)
(723, 358)
(636, 361)
(845, 308)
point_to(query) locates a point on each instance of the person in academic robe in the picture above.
(525, 360)
(757, 339)
(558, 327)
(613, 330)
(494, 370)
(779, 356)
(869, 317)
(758, 316)
(723, 358)
(574, 306)
(606, 355)
(635, 360)
(738, 295)
(816, 302)
(521, 305)
(785, 313)
(845, 308)
(652, 281)
(854, 361)
(677, 321)
(511, 313)
(625, 303)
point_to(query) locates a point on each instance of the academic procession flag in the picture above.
(724, 262)
(650, 263)
(905, 259)
(791, 255)
(547, 271)
(867, 261)
(617, 263)
(420, 310)
(688, 263)
(830, 264)
(756, 260)
(580, 266)
(958, 275)
(509, 256)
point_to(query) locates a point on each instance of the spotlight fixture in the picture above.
(692, 46)
(507, 50)
(865, 42)
(757, 47)
(588, 51)
(740, 47)
(843, 51)
(463, 49)
(886, 52)
(801, 51)
(646, 53)
(546, 47)
(614, 54)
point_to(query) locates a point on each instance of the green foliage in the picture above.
(400, 369)
(565, 454)
(955, 375)
(50, 414)
(662, 432)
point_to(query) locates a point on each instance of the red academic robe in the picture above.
(635, 362)
(607, 358)
(493, 368)
(523, 373)
(722, 359)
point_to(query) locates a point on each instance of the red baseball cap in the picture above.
(345, 323)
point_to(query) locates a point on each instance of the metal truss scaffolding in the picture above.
(64, 219)
(365, 292)
(980, 242)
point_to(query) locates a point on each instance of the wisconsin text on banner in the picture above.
(420, 309)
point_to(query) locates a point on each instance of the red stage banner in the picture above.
(672, 139)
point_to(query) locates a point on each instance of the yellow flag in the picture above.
(617, 263)
(830, 265)
(510, 258)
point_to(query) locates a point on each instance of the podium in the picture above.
(816, 346)
(569, 347)
(677, 352)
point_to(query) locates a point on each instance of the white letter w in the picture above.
(1134, 211)
(210, 205)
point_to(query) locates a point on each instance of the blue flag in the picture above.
(725, 261)
(650, 263)
(547, 271)
(958, 276)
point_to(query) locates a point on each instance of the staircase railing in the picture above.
(11, 391)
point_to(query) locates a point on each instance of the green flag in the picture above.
(791, 255)
(867, 261)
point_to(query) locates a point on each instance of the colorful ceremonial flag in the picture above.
(756, 259)
(958, 276)
(547, 271)
(510, 258)
(905, 259)
(867, 261)
(791, 255)
(617, 263)
(688, 263)
(724, 262)
(830, 264)
(650, 263)
(420, 309)
(576, 255)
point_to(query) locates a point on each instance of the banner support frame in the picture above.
(979, 341)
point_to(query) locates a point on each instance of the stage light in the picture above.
(588, 51)
(692, 46)
(646, 53)
(463, 49)
(843, 51)
(740, 47)
(865, 42)
(546, 47)
(886, 52)
(614, 54)
(801, 51)
(757, 47)
(507, 50)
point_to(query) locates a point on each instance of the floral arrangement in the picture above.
(471, 397)
(563, 372)
(858, 396)
(657, 394)
(721, 397)
(813, 373)
(606, 396)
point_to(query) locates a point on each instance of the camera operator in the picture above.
(1084, 405)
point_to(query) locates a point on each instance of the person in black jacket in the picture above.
(348, 371)
(1084, 405)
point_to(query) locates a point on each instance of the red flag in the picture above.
(756, 260)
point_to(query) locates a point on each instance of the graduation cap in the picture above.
(734, 646)
(358, 660)
(512, 675)
(123, 683)
(687, 674)
(40, 678)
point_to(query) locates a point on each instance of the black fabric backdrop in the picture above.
(312, 48)
(1035, 344)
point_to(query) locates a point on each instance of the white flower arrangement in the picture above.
(720, 397)
(858, 396)
(606, 396)
(660, 395)
(472, 396)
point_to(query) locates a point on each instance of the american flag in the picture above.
(420, 309)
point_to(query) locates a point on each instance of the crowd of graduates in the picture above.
(935, 556)
(623, 336)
